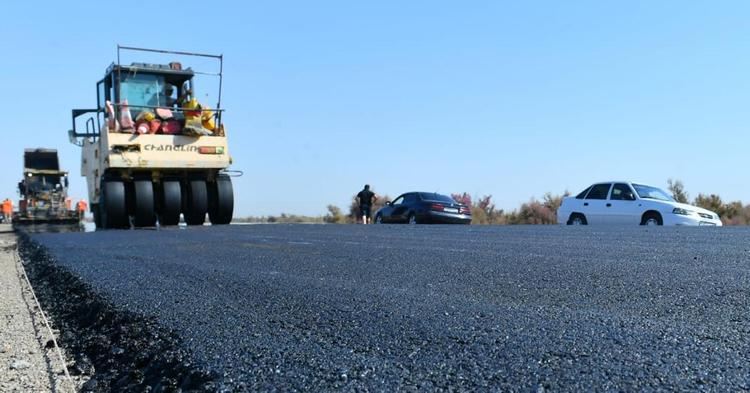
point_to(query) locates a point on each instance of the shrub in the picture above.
(731, 213)
(484, 212)
(334, 215)
(678, 190)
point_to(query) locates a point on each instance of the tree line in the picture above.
(731, 213)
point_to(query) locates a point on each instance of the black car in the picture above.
(423, 208)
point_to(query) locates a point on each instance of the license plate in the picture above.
(450, 210)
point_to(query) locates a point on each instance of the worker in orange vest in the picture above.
(7, 209)
(81, 207)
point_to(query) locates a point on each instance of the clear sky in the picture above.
(511, 99)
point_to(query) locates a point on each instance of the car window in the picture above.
(398, 200)
(622, 192)
(433, 197)
(410, 198)
(583, 193)
(599, 191)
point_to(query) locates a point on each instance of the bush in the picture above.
(283, 218)
(533, 212)
(731, 213)
(678, 190)
(553, 202)
(714, 203)
(334, 216)
(484, 212)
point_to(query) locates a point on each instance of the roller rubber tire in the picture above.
(196, 203)
(143, 209)
(97, 216)
(221, 201)
(115, 213)
(171, 203)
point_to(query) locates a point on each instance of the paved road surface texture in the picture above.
(384, 308)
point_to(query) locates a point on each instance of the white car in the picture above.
(620, 202)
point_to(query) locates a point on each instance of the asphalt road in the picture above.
(384, 308)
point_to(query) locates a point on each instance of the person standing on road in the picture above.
(81, 207)
(7, 209)
(366, 198)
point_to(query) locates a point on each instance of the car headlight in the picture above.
(682, 212)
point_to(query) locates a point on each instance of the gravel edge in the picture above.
(28, 360)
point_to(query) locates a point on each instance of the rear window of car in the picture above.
(599, 191)
(432, 197)
(410, 198)
(583, 193)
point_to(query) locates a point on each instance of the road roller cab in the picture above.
(150, 151)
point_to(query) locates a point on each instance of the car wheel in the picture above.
(379, 219)
(577, 219)
(412, 219)
(652, 218)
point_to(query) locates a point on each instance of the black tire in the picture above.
(577, 219)
(144, 214)
(170, 203)
(378, 218)
(196, 203)
(221, 201)
(412, 220)
(114, 213)
(652, 218)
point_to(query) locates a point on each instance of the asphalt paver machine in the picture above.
(145, 158)
(43, 191)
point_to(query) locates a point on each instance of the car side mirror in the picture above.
(389, 203)
(629, 197)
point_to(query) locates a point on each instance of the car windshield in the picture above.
(431, 196)
(43, 182)
(648, 192)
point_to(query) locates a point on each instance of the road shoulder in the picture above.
(28, 363)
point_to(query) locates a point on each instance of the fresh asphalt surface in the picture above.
(383, 308)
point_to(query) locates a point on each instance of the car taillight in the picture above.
(437, 207)
(464, 210)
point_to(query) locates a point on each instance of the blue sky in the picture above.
(511, 99)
